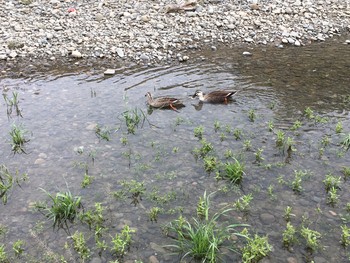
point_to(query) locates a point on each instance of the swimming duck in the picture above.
(163, 102)
(217, 96)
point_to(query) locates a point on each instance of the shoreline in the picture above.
(143, 32)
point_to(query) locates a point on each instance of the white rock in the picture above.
(246, 53)
(120, 52)
(76, 54)
(3, 56)
(297, 43)
(13, 54)
(109, 71)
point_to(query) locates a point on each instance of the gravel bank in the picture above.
(142, 31)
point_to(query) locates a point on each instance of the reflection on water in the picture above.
(62, 107)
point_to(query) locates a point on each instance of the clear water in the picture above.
(62, 105)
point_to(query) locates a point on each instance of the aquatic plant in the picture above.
(258, 155)
(133, 187)
(153, 213)
(17, 247)
(288, 235)
(234, 171)
(252, 115)
(296, 125)
(287, 213)
(237, 133)
(247, 144)
(210, 163)
(121, 242)
(202, 239)
(217, 126)
(270, 125)
(309, 113)
(64, 207)
(12, 103)
(3, 254)
(345, 236)
(256, 249)
(18, 139)
(339, 127)
(312, 238)
(280, 138)
(7, 181)
(206, 148)
(198, 132)
(325, 141)
(94, 219)
(124, 140)
(346, 172)
(345, 143)
(333, 196)
(87, 180)
(133, 118)
(243, 203)
(103, 133)
(331, 181)
(80, 246)
(297, 182)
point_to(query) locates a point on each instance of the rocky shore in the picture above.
(163, 30)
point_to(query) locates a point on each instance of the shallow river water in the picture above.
(75, 119)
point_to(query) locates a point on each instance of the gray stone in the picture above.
(120, 52)
(267, 218)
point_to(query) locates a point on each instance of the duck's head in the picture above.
(198, 93)
(148, 95)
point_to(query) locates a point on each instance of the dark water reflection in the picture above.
(62, 104)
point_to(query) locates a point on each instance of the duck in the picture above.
(217, 96)
(163, 102)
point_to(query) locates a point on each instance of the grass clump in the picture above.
(256, 249)
(133, 118)
(202, 238)
(7, 180)
(311, 237)
(345, 236)
(288, 235)
(80, 246)
(63, 208)
(18, 139)
(198, 132)
(206, 148)
(234, 171)
(345, 143)
(121, 242)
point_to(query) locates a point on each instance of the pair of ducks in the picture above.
(217, 96)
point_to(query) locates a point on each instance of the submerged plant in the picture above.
(296, 125)
(18, 139)
(280, 138)
(331, 182)
(288, 235)
(198, 132)
(202, 239)
(87, 180)
(257, 248)
(339, 127)
(252, 115)
(312, 238)
(333, 196)
(121, 242)
(247, 144)
(18, 247)
(210, 163)
(346, 172)
(64, 207)
(234, 171)
(7, 181)
(133, 118)
(133, 187)
(258, 155)
(237, 133)
(204, 149)
(103, 133)
(345, 236)
(309, 113)
(153, 213)
(79, 245)
(243, 203)
(3, 254)
(12, 103)
(346, 142)
(287, 213)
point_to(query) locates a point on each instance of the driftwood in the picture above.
(190, 5)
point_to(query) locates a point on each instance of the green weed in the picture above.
(311, 237)
(243, 203)
(234, 171)
(345, 143)
(203, 150)
(338, 127)
(18, 247)
(80, 246)
(103, 133)
(198, 132)
(153, 214)
(12, 103)
(252, 115)
(331, 182)
(345, 236)
(18, 139)
(288, 235)
(7, 180)
(64, 207)
(296, 125)
(202, 239)
(87, 180)
(121, 242)
(256, 249)
(210, 163)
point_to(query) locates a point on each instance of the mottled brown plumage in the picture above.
(217, 96)
(163, 102)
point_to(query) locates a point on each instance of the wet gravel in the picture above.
(144, 31)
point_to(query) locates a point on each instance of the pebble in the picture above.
(267, 218)
(246, 53)
(109, 72)
(142, 32)
(153, 259)
(76, 54)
